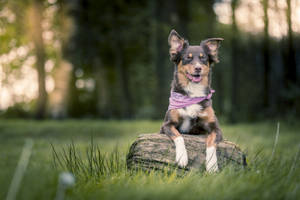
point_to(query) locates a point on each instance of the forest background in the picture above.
(109, 59)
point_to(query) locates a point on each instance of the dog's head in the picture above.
(193, 62)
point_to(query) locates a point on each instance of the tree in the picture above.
(266, 55)
(234, 57)
(291, 72)
(122, 70)
(162, 12)
(60, 25)
(36, 31)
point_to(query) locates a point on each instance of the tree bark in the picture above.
(36, 31)
(266, 53)
(157, 151)
(183, 13)
(122, 69)
(291, 69)
(234, 57)
(161, 15)
(58, 98)
(102, 93)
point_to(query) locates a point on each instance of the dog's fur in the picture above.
(192, 77)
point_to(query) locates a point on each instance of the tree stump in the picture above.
(157, 151)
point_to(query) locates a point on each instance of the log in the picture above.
(157, 152)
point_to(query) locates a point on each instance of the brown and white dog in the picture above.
(190, 110)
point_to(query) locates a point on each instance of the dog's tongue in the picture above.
(194, 78)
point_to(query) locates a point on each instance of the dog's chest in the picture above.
(195, 90)
(188, 114)
(191, 111)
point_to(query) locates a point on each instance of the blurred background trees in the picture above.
(109, 59)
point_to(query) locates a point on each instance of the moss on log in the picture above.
(157, 151)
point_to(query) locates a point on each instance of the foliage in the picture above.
(98, 165)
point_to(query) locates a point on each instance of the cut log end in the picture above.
(157, 151)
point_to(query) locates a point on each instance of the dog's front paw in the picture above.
(181, 154)
(211, 159)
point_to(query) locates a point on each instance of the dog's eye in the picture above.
(190, 56)
(203, 58)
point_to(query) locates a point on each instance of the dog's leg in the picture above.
(169, 128)
(215, 136)
(211, 153)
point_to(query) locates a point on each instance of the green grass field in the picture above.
(266, 177)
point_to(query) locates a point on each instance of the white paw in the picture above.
(211, 159)
(181, 154)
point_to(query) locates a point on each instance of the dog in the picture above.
(190, 106)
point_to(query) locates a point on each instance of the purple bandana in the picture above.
(178, 100)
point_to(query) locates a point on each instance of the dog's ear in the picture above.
(212, 45)
(177, 44)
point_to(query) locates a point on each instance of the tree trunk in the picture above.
(122, 70)
(36, 31)
(266, 54)
(289, 67)
(183, 13)
(58, 98)
(102, 93)
(157, 151)
(122, 79)
(234, 57)
(291, 70)
(161, 13)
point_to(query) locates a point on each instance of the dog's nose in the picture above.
(198, 68)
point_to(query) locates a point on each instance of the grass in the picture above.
(273, 171)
